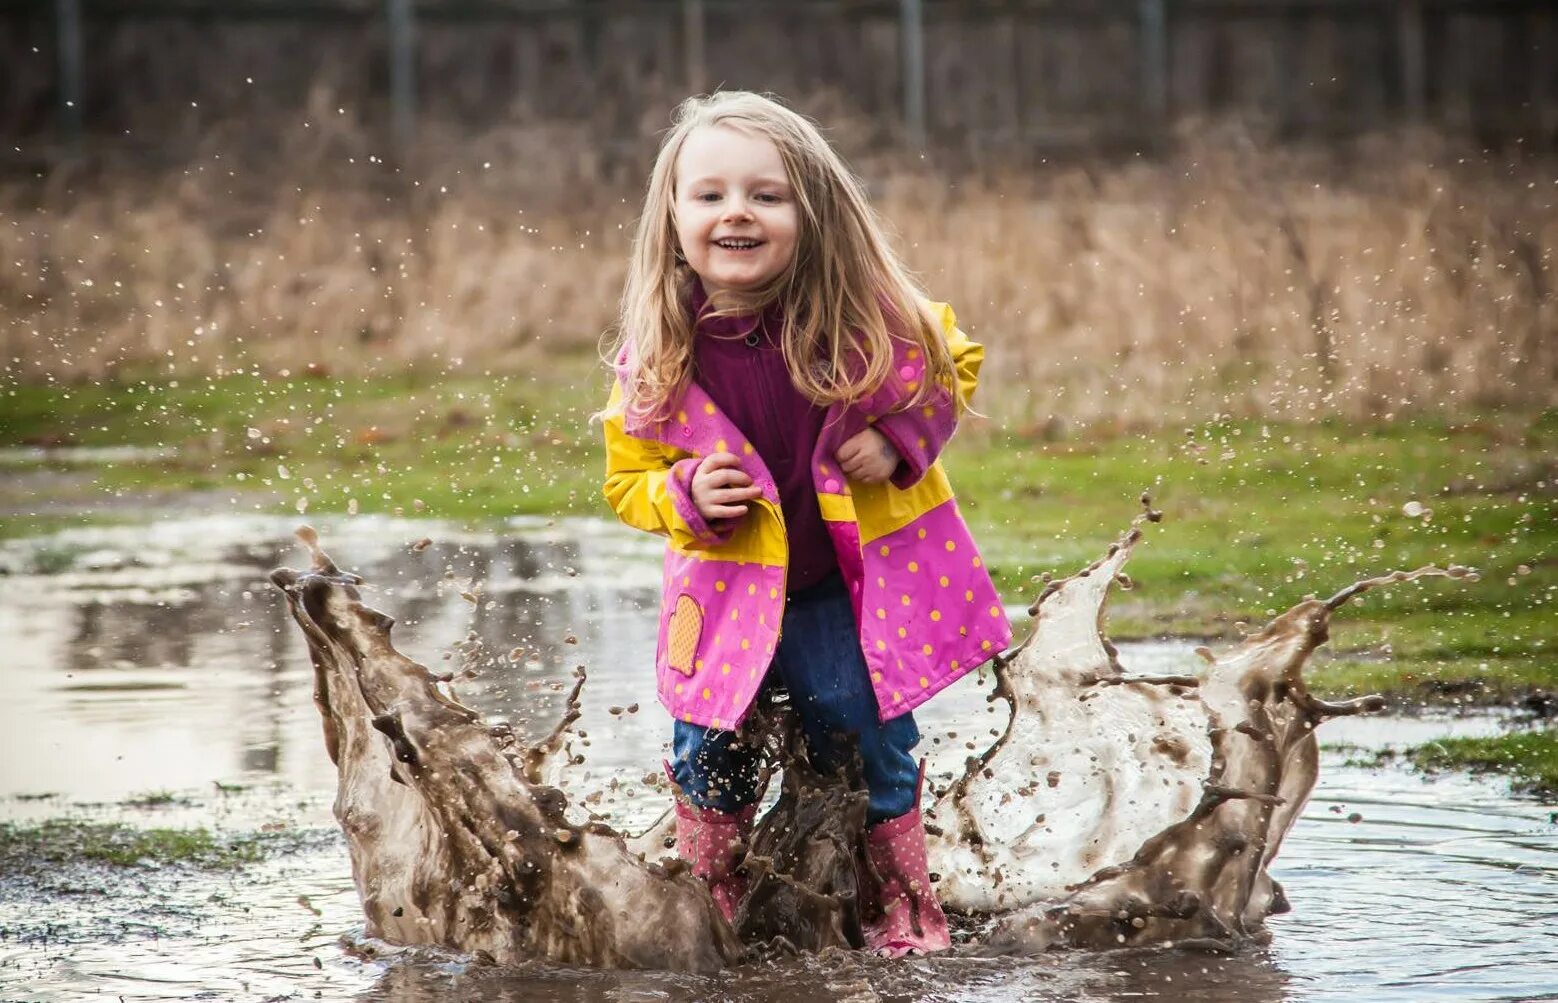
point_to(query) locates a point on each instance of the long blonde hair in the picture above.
(845, 296)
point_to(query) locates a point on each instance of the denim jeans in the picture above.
(820, 664)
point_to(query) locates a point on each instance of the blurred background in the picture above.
(1148, 208)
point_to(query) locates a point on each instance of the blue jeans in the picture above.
(820, 663)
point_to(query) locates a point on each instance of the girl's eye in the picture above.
(707, 196)
(769, 197)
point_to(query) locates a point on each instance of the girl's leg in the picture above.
(717, 773)
(715, 769)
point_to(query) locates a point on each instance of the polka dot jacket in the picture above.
(927, 610)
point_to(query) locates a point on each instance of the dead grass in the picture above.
(1397, 275)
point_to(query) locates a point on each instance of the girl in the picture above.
(783, 390)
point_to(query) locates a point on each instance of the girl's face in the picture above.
(736, 217)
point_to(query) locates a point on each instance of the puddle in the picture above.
(157, 659)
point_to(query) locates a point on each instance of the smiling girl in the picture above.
(783, 390)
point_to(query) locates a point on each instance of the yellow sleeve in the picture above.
(649, 489)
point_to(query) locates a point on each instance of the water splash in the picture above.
(1115, 809)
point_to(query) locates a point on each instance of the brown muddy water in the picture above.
(154, 679)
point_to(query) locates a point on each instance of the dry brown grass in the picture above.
(1393, 276)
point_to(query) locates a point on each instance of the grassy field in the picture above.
(1256, 515)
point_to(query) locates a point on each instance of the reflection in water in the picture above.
(140, 663)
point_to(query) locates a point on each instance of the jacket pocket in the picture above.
(682, 633)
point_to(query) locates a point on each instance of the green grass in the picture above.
(65, 840)
(1256, 516)
(1528, 758)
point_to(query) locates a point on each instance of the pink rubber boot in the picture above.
(709, 840)
(910, 920)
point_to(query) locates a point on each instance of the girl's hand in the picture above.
(720, 488)
(868, 456)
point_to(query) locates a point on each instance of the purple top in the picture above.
(738, 361)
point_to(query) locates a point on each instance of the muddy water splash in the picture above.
(1114, 810)
(1131, 810)
(453, 840)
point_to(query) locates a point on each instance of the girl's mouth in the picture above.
(737, 244)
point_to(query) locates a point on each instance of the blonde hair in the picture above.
(845, 296)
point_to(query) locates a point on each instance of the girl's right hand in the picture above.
(720, 487)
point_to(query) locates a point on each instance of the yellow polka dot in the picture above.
(681, 416)
(881, 582)
(881, 614)
(951, 546)
(977, 562)
(897, 697)
(751, 590)
(719, 586)
(686, 580)
(914, 353)
(708, 407)
(927, 649)
(762, 619)
(995, 611)
(707, 693)
(920, 442)
(687, 716)
(954, 664)
(903, 631)
(914, 565)
(969, 595)
(735, 614)
(746, 644)
(924, 683)
(678, 687)
(714, 723)
(928, 411)
(876, 677)
(885, 550)
(944, 581)
(824, 468)
(773, 593)
(752, 673)
(746, 449)
(881, 646)
(935, 614)
(912, 386)
(725, 669)
(984, 645)
(906, 600)
(698, 664)
(721, 446)
(963, 631)
(870, 419)
(921, 533)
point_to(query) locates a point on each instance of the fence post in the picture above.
(67, 51)
(911, 20)
(694, 67)
(1153, 16)
(401, 20)
(1411, 40)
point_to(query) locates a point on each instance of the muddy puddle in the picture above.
(154, 680)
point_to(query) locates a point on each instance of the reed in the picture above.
(1398, 274)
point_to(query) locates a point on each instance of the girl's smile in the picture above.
(736, 218)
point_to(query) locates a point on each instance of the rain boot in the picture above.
(909, 919)
(711, 841)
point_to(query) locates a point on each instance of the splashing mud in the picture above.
(1115, 809)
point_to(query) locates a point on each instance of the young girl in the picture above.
(783, 391)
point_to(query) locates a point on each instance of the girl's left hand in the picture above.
(868, 456)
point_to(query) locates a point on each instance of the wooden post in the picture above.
(67, 34)
(694, 66)
(911, 20)
(1411, 43)
(1154, 57)
(401, 19)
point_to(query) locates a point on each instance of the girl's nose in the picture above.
(736, 209)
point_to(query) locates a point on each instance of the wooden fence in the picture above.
(977, 74)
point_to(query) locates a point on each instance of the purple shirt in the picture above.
(738, 361)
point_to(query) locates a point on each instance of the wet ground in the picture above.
(156, 661)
